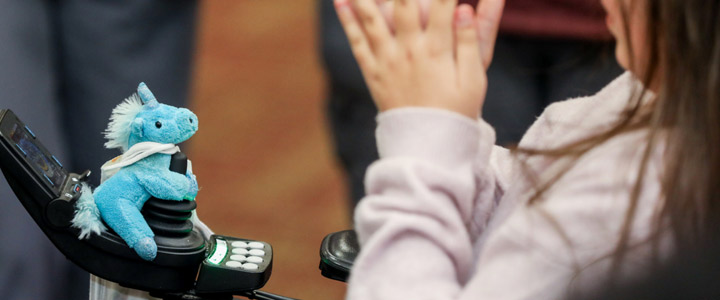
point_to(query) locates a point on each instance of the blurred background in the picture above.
(263, 155)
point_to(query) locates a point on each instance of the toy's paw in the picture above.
(146, 248)
(193, 189)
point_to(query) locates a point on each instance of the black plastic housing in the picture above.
(337, 254)
(215, 279)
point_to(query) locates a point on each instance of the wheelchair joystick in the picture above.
(187, 266)
(168, 218)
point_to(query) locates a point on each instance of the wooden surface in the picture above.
(262, 154)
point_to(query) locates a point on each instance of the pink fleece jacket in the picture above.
(446, 214)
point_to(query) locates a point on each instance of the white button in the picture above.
(257, 252)
(249, 266)
(256, 245)
(241, 251)
(239, 244)
(234, 264)
(239, 258)
(254, 259)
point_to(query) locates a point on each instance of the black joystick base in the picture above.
(170, 219)
(180, 248)
(167, 217)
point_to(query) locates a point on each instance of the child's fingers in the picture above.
(355, 34)
(440, 24)
(372, 20)
(489, 13)
(387, 9)
(469, 62)
(407, 19)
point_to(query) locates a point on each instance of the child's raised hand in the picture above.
(440, 65)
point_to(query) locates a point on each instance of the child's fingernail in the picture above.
(341, 3)
(464, 18)
(342, 6)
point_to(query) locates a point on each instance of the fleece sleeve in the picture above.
(414, 223)
(563, 244)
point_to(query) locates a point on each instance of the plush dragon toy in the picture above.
(146, 131)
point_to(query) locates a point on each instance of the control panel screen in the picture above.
(48, 167)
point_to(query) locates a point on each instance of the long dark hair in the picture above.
(683, 39)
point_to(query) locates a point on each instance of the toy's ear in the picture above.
(137, 127)
(147, 96)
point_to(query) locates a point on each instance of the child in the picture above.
(599, 190)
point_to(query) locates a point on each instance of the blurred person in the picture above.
(601, 189)
(350, 109)
(548, 50)
(65, 66)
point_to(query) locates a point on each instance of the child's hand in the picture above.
(439, 65)
(488, 18)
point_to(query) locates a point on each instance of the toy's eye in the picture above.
(158, 124)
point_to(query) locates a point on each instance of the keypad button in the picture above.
(239, 258)
(234, 264)
(255, 259)
(250, 266)
(239, 244)
(257, 252)
(256, 245)
(241, 251)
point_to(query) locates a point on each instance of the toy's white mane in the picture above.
(118, 130)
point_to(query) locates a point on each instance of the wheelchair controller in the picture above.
(187, 265)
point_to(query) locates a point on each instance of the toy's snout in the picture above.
(187, 120)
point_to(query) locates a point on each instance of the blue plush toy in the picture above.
(146, 131)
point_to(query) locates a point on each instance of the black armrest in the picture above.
(337, 254)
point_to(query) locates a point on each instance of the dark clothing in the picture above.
(568, 19)
(527, 74)
(351, 111)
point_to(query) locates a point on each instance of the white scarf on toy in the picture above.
(134, 154)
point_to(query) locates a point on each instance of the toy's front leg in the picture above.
(167, 185)
(124, 217)
(193, 190)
